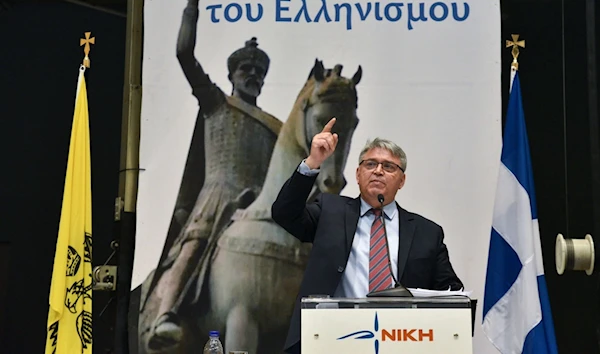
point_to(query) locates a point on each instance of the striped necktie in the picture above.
(379, 271)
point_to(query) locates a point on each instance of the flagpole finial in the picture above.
(86, 49)
(515, 43)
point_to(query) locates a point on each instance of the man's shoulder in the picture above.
(422, 220)
(334, 198)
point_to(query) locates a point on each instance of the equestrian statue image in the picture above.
(225, 264)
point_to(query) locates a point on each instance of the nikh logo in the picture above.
(393, 335)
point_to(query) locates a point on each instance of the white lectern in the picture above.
(386, 325)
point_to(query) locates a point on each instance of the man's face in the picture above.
(248, 78)
(374, 179)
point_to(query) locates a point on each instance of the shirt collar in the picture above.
(389, 210)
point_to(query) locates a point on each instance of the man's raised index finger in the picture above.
(328, 126)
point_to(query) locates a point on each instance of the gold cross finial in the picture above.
(86, 49)
(515, 44)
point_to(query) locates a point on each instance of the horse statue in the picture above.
(249, 277)
(257, 268)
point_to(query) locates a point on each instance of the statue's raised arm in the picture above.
(209, 96)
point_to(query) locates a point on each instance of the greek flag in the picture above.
(516, 309)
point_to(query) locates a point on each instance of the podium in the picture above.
(406, 325)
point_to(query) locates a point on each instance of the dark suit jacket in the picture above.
(330, 224)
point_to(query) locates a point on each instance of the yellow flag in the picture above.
(70, 315)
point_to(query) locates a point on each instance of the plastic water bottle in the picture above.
(213, 346)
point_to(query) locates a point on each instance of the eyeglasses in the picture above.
(388, 166)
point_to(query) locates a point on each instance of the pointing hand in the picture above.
(322, 146)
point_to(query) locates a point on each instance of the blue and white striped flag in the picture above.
(516, 309)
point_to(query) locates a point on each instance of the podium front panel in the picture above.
(385, 329)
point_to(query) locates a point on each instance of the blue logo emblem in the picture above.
(366, 334)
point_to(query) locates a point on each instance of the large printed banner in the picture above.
(232, 95)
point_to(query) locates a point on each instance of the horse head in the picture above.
(328, 94)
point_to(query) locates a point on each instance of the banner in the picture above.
(233, 93)
(70, 312)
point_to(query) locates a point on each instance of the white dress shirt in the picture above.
(355, 279)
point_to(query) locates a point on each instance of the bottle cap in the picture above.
(213, 333)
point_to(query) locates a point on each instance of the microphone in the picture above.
(398, 290)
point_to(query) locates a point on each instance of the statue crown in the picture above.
(250, 51)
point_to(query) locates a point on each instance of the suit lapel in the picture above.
(352, 213)
(407, 232)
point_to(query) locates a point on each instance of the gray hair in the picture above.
(388, 145)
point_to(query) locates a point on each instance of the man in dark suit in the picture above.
(350, 253)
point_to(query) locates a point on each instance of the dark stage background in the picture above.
(39, 60)
(39, 63)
